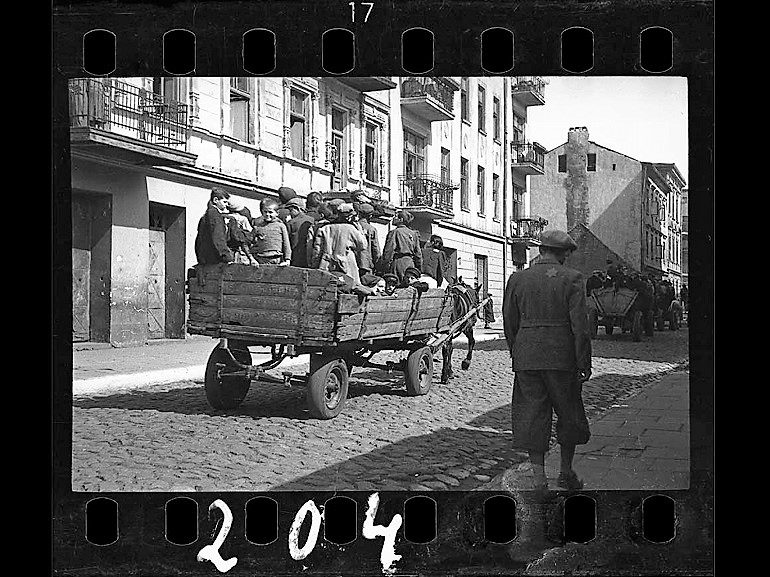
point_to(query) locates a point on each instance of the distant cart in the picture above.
(296, 311)
(612, 308)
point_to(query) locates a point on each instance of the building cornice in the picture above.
(468, 230)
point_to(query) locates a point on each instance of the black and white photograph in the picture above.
(379, 283)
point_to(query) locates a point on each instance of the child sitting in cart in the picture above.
(271, 237)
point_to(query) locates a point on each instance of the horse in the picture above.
(464, 298)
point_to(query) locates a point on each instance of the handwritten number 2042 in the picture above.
(369, 6)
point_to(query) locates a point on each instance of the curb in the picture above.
(111, 384)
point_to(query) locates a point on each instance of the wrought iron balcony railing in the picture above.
(428, 86)
(122, 108)
(524, 153)
(534, 85)
(529, 228)
(424, 190)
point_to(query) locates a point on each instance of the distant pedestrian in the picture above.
(271, 238)
(489, 312)
(545, 320)
(211, 240)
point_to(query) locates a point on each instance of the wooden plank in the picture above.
(205, 313)
(267, 321)
(328, 293)
(350, 303)
(393, 328)
(421, 327)
(205, 299)
(278, 303)
(282, 335)
(274, 274)
(380, 304)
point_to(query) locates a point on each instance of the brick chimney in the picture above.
(575, 183)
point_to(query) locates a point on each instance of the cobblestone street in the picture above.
(458, 436)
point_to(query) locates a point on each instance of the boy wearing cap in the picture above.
(402, 246)
(271, 239)
(545, 320)
(371, 255)
(337, 245)
(211, 240)
(298, 227)
(285, 194)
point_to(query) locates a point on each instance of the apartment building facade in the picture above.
(632, 207)
(145, 153)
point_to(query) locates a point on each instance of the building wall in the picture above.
(607, 200)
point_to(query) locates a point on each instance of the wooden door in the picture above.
(481, 275)
(81, 269)
(156, 289)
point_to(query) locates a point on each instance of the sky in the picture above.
(641, 117)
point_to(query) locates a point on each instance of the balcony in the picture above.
(426, 195)
(527, 230)
(110, 118)
(368, 83)
(429, 98)
(528, 90)
(527, 158)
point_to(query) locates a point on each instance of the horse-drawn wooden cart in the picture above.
(297, 311)
(613, 307)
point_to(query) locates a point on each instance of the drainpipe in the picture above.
(506, 167)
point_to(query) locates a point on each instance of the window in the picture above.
(464, 98)
(562, 163)
(445, 173)
(370, 154)
(464, 204)
(240, 108)
(414, 154)
(496, 196)
(340, 177)
(480, 190)
(613, 166)
(298, 122)
(482, 112)
(496, 118)
(591, 163)
(518, 202)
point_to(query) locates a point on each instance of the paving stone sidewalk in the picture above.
(640, 443)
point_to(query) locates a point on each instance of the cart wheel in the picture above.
(609, 327)
(225, 392)
(593, 322)
(327, 389)
(419, 371)
(636, 328)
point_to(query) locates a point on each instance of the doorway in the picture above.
(482, 274)
(165, 277)
(91, 255)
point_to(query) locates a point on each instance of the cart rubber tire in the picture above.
(609, 328)
(327, 389)
(593, 322)
(227, 393)
(636, 328)
(419, 371)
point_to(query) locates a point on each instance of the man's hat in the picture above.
(390, 277)
(557, 239)
(336, 202)
(413, 271)
(296, 201)
(345, 207)
(285, 193)
(365, 209)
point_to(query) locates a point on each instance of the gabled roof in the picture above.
(600, 146)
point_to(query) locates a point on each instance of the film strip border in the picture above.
(289, 533)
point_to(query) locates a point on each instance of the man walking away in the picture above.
(545, 321)
(211, 240)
